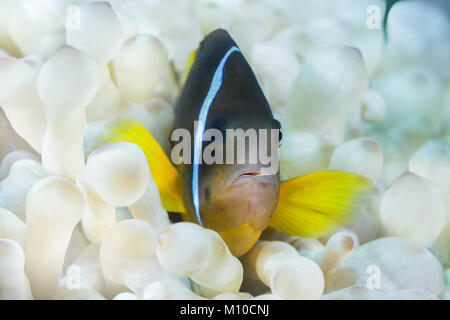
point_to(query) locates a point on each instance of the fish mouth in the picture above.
(248, 171)
(254, 174)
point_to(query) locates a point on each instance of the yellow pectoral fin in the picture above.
(163, 172)
(315, 204)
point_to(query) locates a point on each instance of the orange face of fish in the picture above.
(237, 202)
(249, 198)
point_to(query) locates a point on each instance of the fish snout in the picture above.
(250, 201)
(239, 205)
(251, 198)
(250, 195)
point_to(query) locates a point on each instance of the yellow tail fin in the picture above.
(163, 172)
(315, 204)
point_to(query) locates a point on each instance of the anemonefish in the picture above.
(239, 201)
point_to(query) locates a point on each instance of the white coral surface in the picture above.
(79, 221)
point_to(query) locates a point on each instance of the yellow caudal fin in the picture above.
(314, 205)
(163, 172)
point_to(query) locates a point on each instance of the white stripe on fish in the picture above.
(216, 83)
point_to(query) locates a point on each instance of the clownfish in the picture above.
(238, 200)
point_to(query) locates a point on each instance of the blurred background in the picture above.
(359, 86)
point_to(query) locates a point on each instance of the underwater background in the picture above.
(360, 86)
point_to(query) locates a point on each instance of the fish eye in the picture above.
(277, 125)
(220, 124)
